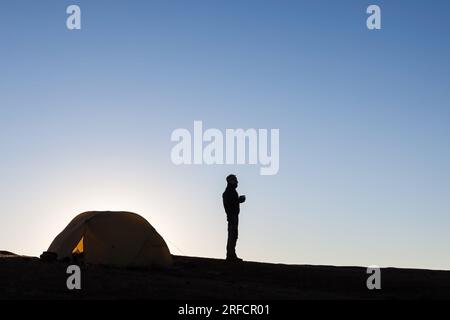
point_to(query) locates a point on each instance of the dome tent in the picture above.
(114, 238)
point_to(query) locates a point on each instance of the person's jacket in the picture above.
(231, 201)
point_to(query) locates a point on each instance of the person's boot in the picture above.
(233, 258)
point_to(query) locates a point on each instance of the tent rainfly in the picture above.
(115, 238)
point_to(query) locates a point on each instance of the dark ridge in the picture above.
(204, 278)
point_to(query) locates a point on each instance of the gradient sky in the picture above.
(86, 118)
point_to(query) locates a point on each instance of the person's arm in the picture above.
(226, 203)
(230, 202)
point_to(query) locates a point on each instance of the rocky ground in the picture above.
(203, 278)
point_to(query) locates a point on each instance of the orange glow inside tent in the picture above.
(80, 247)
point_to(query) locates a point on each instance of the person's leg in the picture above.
(232, 236)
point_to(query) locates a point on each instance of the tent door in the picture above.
(79, 249)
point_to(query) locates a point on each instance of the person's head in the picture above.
(232, 180)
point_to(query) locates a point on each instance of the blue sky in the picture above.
(86, 118)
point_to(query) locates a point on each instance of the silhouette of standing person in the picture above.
(231, 203)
